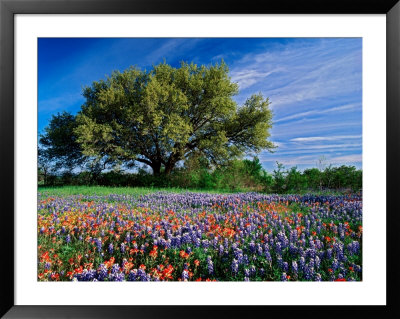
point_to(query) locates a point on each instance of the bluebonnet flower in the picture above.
(226, 243)
(102, 272)
(308, 272)
(310, 252)
(132, 275)
(185, 275)
(210, 265)
(335, 264)
(292, 249)
(317, 277)
(234, 266)
(115, 268)
(268, 256)
(252, 247)
(317, 262)
(252, 270)
(278, 248)
(205, 243)
(141, 274)
(329, 253)
(294, 267)
(259, 249)
(215, 243)
(68, 239)
(98, 244)
(119, 276)
(302, 263)
(110, 249)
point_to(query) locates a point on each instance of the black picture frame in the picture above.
(8, 8)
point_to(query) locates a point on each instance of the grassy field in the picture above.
(103, 190)
(137, 191)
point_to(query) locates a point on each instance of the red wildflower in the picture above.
(327, 238)
(183, 254)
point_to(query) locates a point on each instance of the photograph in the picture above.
(200, 159)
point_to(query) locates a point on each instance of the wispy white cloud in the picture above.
(59, 103)
(353, 158)
(335, 109)
(289, 130)
(280, 145)
(305, 71)
(171, 47)
(246, 78)
(324, 138)
(312, 160)
(316, 148)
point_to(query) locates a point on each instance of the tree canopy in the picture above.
(58, 145)
(163, 116)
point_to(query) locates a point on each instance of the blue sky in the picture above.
(314, 84)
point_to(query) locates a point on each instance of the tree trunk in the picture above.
(168, 169)
(156, 168)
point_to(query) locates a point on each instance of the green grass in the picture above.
(103, 190)
(137, 191)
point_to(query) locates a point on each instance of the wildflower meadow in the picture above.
(166, 236)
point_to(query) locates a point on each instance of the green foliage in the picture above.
(279, 176)
(167, 114)
(235, 176)
(313, 177)
(295, 180)
(59, 146)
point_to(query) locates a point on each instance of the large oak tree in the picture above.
(165, 115)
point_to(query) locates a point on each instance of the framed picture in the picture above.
(340, 48)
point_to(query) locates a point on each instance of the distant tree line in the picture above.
(237, 175)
